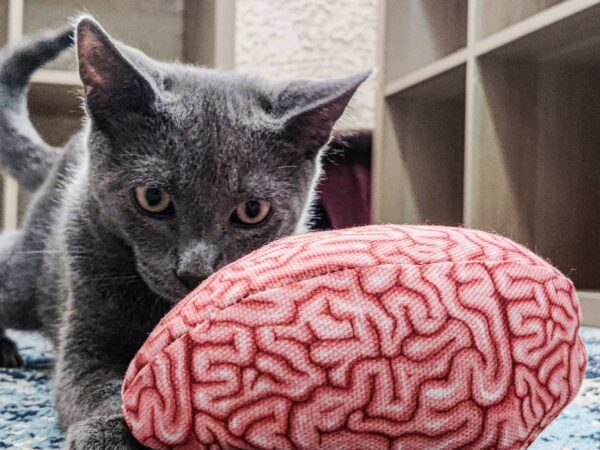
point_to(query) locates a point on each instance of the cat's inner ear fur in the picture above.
(111, 82)
(309, 109)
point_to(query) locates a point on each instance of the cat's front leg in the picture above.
(102, 327)
(88, 394)
(92, 359)
(89, 408)
(100, 433)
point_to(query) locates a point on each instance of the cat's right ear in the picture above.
(112, 84)
(308, 110)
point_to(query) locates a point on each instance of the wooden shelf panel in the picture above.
(3, 21)
(429, 72)
(421, 169)
(502, 163)
(419, 32)
(165, 19)
(56, 77)
(23, 203)
(568, 30)
(590, 307)
(494, 15)
(209, 33)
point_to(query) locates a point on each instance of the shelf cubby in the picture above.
(566, 33)
(426, 150)
(419, 32)
(494, 15)
(514, 116)
(55, 110)
(536, 175)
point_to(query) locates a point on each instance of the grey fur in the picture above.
(92, 271)
(22, 152)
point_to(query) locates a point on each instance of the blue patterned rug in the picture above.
(27, 420)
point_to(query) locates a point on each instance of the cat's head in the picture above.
(193, 168)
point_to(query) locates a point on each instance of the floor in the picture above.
(27, 420)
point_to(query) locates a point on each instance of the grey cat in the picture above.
(177, 171)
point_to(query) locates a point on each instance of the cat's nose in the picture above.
(197, 260)
(191, 281)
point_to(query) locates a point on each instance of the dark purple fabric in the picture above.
(345, 191)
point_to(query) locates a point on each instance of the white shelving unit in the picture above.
(489, 116)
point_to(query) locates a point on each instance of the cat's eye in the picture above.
(251, 213)
(153, 201)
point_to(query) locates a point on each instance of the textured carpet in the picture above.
(27, 420)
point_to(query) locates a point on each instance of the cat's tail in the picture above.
(23, 153)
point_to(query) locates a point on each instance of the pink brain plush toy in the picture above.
(382, 337)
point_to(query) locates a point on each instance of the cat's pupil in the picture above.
(153, 196)
(252, 208)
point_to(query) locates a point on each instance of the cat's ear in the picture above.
(112, 84)
(311, 108)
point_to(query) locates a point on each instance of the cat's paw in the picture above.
(101, 433)
(9, 356)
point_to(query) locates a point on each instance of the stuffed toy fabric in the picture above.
(381, 337)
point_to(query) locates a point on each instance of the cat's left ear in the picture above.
(311, 108)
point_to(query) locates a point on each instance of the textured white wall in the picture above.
(287, 39)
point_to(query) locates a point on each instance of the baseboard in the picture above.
(590, 307)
